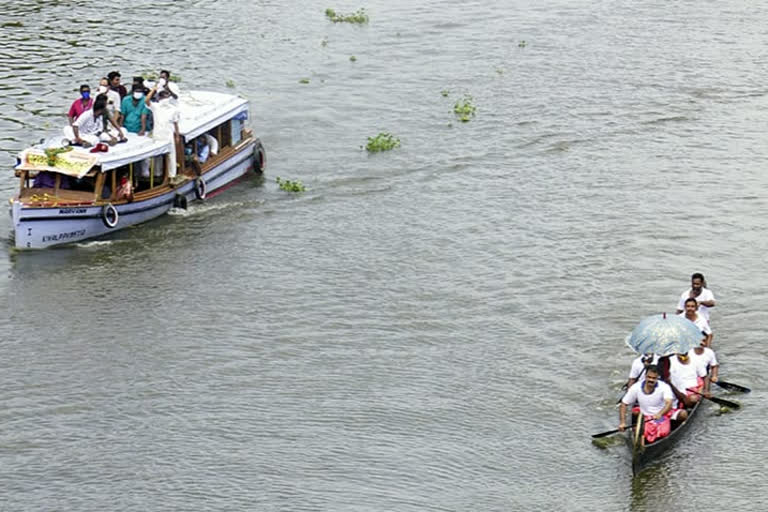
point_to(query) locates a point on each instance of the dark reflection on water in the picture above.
(439, 327)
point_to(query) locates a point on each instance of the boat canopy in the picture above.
(202, 110)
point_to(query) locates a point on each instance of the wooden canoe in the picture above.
(642, 455)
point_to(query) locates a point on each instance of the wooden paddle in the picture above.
(732, 387)
(610, 432)
(720, 401)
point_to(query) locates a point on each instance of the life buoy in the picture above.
(200, 188)
(260, 156)
(109, 215)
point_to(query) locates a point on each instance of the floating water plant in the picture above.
(445, 93)
(522, 44)
(358, 16)
(382, 142)
(231, 84)
(290, 186)
(464, 109)
(12, 24)
(304, 81)
(153, 76)
(324, 42)
(352, 58)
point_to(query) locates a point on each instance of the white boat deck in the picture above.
(199, 112)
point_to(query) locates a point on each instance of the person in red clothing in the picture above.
(81, 104)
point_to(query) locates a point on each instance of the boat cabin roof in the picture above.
(199, 111)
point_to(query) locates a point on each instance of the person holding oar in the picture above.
(655, 400)
(692, 314)
(699, 291)
(639, 367)
(689, 381)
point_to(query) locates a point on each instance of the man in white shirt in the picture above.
(698, 291)
(692, 314)
(705, 357)
(88, 129)
(166, 122)
(687, 379)
(640, 366)
(655, 400)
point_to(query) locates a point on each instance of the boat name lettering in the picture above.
(64, 236)
(68, 211)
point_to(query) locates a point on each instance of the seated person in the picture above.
(203, 149)
(134, 111)
(44, 179)
(81, 104)
(89, 128)
(125, 189)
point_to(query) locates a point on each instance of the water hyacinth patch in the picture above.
(304, 81)
(358, 16)
(382, 142)
(230, 84)
(290, 186)
(464, 109)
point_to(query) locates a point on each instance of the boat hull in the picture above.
(43, 227)
(642, 456)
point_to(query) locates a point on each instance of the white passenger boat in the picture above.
(77, 195)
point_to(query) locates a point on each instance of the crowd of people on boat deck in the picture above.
(112, 112)
(665, 387)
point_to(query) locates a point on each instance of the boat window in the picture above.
(148, 174)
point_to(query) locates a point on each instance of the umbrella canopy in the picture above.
(664, 335)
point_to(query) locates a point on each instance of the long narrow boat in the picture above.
(69, 194)
(642, 454)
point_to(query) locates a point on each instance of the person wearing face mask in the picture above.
(88, 129)
(113, 98)
(81, 104)
(134, 111)
(165, 115)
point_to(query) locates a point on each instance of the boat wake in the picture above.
(95, 244)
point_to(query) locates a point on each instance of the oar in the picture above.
(732, 387)
(721, 401)
(610, 432)
(606, 434)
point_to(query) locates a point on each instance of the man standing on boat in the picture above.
(655, 400)
(704, 297)
(692, 314)
(166, 122)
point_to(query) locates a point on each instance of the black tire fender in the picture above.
(259, 156)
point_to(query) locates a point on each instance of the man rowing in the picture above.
(693, 314)
(698, 291)
(704, 357)
(640, 366)
(656, 401)
(688, 380)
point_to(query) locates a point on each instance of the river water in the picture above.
(439, 327)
